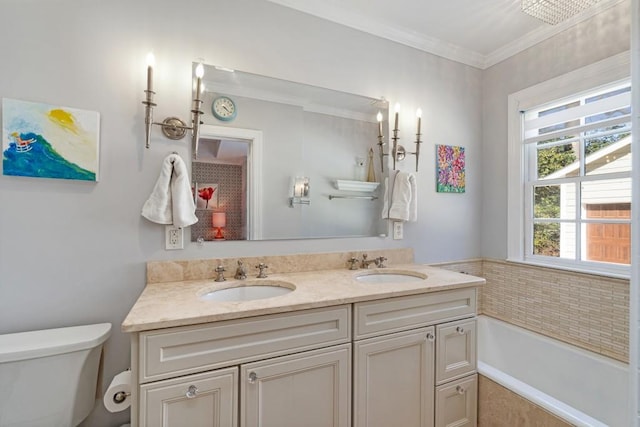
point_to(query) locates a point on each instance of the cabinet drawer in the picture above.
(456, 345)
(456, 403)
(183, 350)
(402, 313)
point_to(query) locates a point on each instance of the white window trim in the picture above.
(601, 73)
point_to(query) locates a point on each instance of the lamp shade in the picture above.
(219, 219)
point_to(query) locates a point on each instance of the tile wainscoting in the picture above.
(588, 311)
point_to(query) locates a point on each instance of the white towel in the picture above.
(403, 198)
(171, 201)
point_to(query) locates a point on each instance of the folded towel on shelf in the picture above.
(171, 201)
(401, 203)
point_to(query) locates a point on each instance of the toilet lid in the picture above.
(48, 342)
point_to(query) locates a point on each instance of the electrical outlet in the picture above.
(173, 238)
(397, 230)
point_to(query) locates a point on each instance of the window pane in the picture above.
(559, 161)
(607, 242)
(605, 191)
(608, 154)
(554, 201)
(554, 239)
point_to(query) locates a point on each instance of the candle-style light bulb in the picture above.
(200, 71)
(379, 118)
(419, 115)
(397, 111)
(151, 61)
(199, 74)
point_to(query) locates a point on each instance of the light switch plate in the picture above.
(173, 237)
(398, 230)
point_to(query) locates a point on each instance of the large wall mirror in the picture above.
(261, 135)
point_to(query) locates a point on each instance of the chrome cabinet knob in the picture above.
(192, 392)
(431, 337)
(460, 389)
(460, 330)
(253, 377)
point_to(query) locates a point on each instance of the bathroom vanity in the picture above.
(334, 352)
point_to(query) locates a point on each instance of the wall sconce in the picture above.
(219, 221)
(398, 152)
(300, 195)
(172, 127)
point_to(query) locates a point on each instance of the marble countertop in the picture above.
(163, 305)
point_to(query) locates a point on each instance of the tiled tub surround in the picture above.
(171, 297)
(588, 311)
(500, 407)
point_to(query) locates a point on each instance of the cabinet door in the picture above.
(456, 350)
(200, 400)
(310, 389)
(456, 403)
(393, 380)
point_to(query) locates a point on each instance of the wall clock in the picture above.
(223, 108)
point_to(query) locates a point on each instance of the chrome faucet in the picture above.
(367, 262)
(241, 271)
(380, 262)
(262, 266)
(220, 273)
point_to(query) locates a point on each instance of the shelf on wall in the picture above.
(363, 186)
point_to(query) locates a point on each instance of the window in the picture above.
(574, 157)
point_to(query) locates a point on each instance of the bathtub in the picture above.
(581, 387)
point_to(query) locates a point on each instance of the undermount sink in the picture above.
(381, 276)
(249, 291)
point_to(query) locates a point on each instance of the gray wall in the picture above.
(74, 252)
(598, 38)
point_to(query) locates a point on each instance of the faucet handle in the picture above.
(353, 261)
(262, 266)
(220, 273)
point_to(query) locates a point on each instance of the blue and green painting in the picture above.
(46, 141)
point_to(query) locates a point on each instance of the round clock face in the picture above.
(223, 108)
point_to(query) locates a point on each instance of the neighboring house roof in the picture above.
(603, 157)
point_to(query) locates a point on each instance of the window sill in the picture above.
(621, 273)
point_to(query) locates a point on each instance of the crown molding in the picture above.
(344, 16)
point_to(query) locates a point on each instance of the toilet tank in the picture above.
(48, 378)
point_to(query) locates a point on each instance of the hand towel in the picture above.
(404, 198)
(171, 201)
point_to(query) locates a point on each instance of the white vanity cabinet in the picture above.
(408, 361)
(203, 373)
(404, 347)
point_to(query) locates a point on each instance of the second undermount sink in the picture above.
(249, 291)
(390, 276)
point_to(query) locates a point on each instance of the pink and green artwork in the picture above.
(49, 141)
(450, 161)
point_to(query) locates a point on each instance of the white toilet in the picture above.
(48, 378)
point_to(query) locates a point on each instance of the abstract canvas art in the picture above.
(450, 163)
(49, 141)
